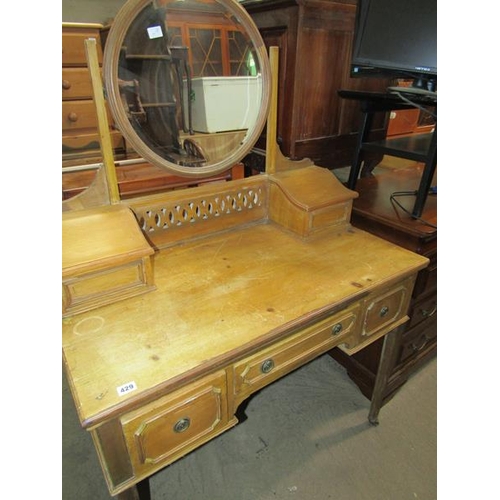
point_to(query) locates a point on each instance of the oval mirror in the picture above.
(187, 82)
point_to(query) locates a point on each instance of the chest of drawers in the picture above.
(80, 137)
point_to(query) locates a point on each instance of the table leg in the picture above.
(385, 366)
(427, 175)
(139, 491)
(358, 158)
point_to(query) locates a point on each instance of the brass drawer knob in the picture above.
(182, 425)
(337, 328)
(66, 85)
(267, 366)
(384, 311)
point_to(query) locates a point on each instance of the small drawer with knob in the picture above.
(385, 309)
(382, 312)
(76, 84)
(81, 114)
(164, 430)
(262, 368)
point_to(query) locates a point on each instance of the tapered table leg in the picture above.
(140, 491)
(385, 366)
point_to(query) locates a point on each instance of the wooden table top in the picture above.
(218, 298)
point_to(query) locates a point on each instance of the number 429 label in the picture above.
(126, 388)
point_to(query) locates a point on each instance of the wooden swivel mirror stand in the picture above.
(171, 313)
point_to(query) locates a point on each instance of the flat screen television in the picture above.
(396, 39)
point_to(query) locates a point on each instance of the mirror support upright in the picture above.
(272, 120)
(102, 120)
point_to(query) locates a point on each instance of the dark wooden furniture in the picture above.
(416, 341)
(314, 38)
(418, 147)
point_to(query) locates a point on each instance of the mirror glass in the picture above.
(188, 82)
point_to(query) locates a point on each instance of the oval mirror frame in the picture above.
(114, 42)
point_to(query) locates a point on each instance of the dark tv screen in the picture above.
(396, 38)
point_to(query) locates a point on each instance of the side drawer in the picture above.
(255, 372)
(385, 309)
(381, 313)
(165, 430)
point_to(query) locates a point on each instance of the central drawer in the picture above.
(255, 372)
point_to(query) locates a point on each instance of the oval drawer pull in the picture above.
(72, 117)
(267, 366)
(423, 342)
(66, 84)
(383, 311)
(337, 328)
(182, 425)
(427, 314)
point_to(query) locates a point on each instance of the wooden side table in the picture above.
(417, 147)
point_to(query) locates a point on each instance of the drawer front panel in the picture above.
(73, 46)
(422, 310)
(77, 142)
(76, 84)
(79, 115)
(385, 309)
(427, 278)
(339, 214)
(418, 340)
(170, 427)
(270, 364)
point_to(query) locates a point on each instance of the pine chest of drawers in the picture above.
(80, 137)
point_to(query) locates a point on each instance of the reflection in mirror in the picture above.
(187, 82)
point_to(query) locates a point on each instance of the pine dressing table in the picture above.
(198, 298)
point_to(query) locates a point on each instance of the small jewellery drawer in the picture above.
(258, 370)
(168, 428)
(386, 308)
